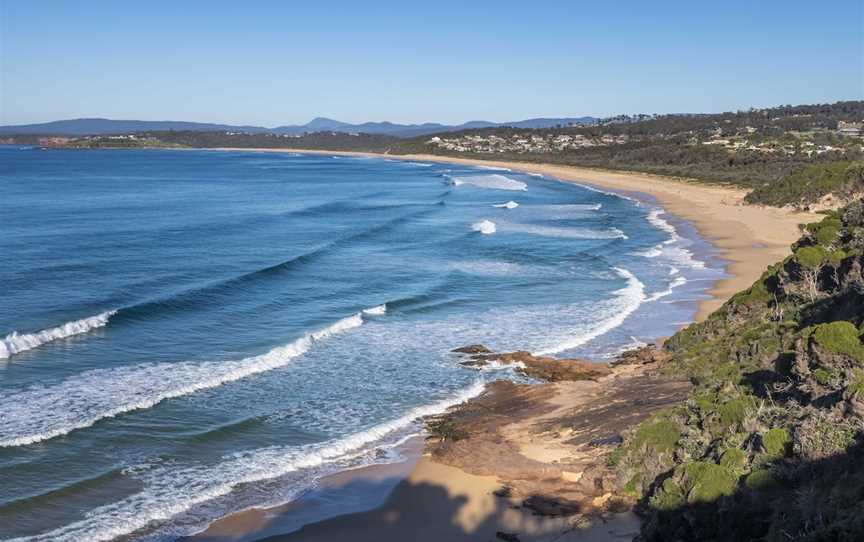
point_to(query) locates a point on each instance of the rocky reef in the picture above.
(768, 444)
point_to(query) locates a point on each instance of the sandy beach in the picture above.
(546, 443)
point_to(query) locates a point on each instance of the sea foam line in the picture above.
(41, 413)
(628, 300)
(171, 491)
(494, 181)
(20, 342)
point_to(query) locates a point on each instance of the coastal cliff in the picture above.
(768, 444)
(746, 426)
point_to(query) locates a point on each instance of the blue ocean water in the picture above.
(184, 334)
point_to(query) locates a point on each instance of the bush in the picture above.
(734, 460)
(760, 479)
(704, 481)
(840, 337)
(776, 442)
(661, 436)
(811, 257)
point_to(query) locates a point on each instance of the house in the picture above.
(853, 129)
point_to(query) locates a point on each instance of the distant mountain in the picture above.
(82, 127)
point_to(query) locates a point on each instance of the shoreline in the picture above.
(426, 498)
(749, 238)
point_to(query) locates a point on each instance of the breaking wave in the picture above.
(20, 342)
(41, 413)
(678, 281)
(486, 227)
(670, 249)
(170, 491)
(566, 233)
(509, 205)
(493, 181)
(626, 301)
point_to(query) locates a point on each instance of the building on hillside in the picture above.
(854, 129)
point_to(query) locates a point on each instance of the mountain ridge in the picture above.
(103, 126)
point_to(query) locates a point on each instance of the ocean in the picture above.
(184, 334)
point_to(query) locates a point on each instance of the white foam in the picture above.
(15, 342)
(169, 491)
(41, 413)
(678, 281)
(509, 205)
(376, 311)
(491, 268)
(660, 223)
(628, 299)
(493, 182)
(486, 227)
(670, 248)
(565, 233)
(494, 168)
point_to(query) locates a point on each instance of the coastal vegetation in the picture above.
(768, 444)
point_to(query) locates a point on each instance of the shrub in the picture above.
(661, 436)
(733, 412)
(811, 257)
(776, 442)
(734, 460)
(823, 377)
(760, 479)
(704, 481)
(840, 337)
(669, 497)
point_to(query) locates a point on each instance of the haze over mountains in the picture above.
(96, 126)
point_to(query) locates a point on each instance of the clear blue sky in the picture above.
(272, 63)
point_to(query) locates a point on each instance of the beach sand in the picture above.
(430, 501)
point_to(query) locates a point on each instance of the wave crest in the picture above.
(41, 413)
(15, 342)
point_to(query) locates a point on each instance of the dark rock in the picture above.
(472, 349)
(551, 506)
(543, 368)
(503, 492)
(508, 537)
(642, 356)
(611, 440)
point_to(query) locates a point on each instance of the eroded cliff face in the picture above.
(768, 444)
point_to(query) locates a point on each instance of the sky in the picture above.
(274, 63)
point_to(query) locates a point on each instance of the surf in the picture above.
(15, 343)
(42, 413)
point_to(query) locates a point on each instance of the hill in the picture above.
(768, 445)
(98, 126)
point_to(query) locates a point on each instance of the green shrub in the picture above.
(669, 497)
(733, 412)
(808, 184)
(760, 479)
(705, 481)
(826, 231)
(734, 460)
(661, 435)
(776, 442)
(811, 256)
(822, 376)
(840, 337)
